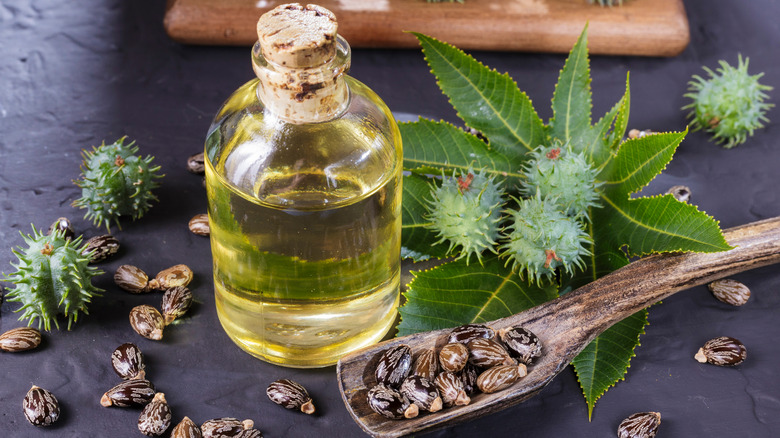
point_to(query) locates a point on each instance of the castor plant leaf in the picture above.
(52, 278)
(115, 182)
(486, 100)
(613, 225)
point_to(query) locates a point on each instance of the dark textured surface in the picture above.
(75, 73)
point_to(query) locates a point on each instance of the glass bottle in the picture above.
(303, 174)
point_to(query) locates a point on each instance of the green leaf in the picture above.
(486, 100)
(571, 101)
(456, 293)
(604, 361)
(601, 141)
(432, 147)
(419, 242)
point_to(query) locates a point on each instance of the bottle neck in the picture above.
(304, 95)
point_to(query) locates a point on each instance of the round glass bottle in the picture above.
(303, 174)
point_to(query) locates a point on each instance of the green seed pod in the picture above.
(557, 172)
(730, 104)
(465, 211)
(52, 277)
(115, 182)
(540, 239)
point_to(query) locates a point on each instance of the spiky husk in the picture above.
(52, 278)
(729, 104)
(556, 172)
(540, 239)
(115, 182)
(465, 210)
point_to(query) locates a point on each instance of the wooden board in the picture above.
(639, 27)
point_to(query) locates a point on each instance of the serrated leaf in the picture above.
(601, 141)
(419, 242)
(604, 361)
(638, 161)
(571, 101)
(432, 147)
(456, 293)
(486, 100)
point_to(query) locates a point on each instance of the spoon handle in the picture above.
(586, 312)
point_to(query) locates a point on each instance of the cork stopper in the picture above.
(297, 36)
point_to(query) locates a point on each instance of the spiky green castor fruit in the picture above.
(729, 104)
(556, 172)
(465, 210)
(115, 182)
(541, 239)
(52, 278)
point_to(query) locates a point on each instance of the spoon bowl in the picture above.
(565, 326)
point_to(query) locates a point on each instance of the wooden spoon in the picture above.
(565, 325)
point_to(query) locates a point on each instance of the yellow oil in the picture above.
(305, 233)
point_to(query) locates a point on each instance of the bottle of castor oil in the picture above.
(303, 173)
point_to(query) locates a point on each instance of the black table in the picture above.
(75, 73)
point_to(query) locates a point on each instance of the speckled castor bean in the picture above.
(640, 425)
(469, 376)
(487, 353)
(422, 392)
(130, 393)
(390, 403)
(451, 389)
(132, 279)
(501, 377)
(730, 291)
(722, 351)
(680, 193)
(176, 302)
(155, 419)
(147, 322)
(393, 366)
(128, 362)
(186, 429)
(100, 248)
(177, 275)
(427, 364)
(224, 427)
(453, 357)
(522, 344)
(466, 333)
(62, 225)
(20, 339)
(199, 224)
(291, 395)
(41, 407)
(196, 163)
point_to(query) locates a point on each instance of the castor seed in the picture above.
(186, 429)
(20, 339)
(62, 225)
(41, 407)
(500, 377)
(722, 351)
(147, 322)
(487, 353)
(155, 419)
(427, 364)
(224, 427)
(453, 357)
(451, 389)
(469, 376)
(730, 291)
(522, 344)
(199, 224)
(291, 395)
(128, 361)
(680, 193)
(132, 279)
(390, 403)
(635, 133)
(640, 425)
(130, 393)
(249, 433)
(178, 275)
(465, 333)
(100, 248)
(176, 302)
(394, 365)
(196, 164)
(421, 392)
